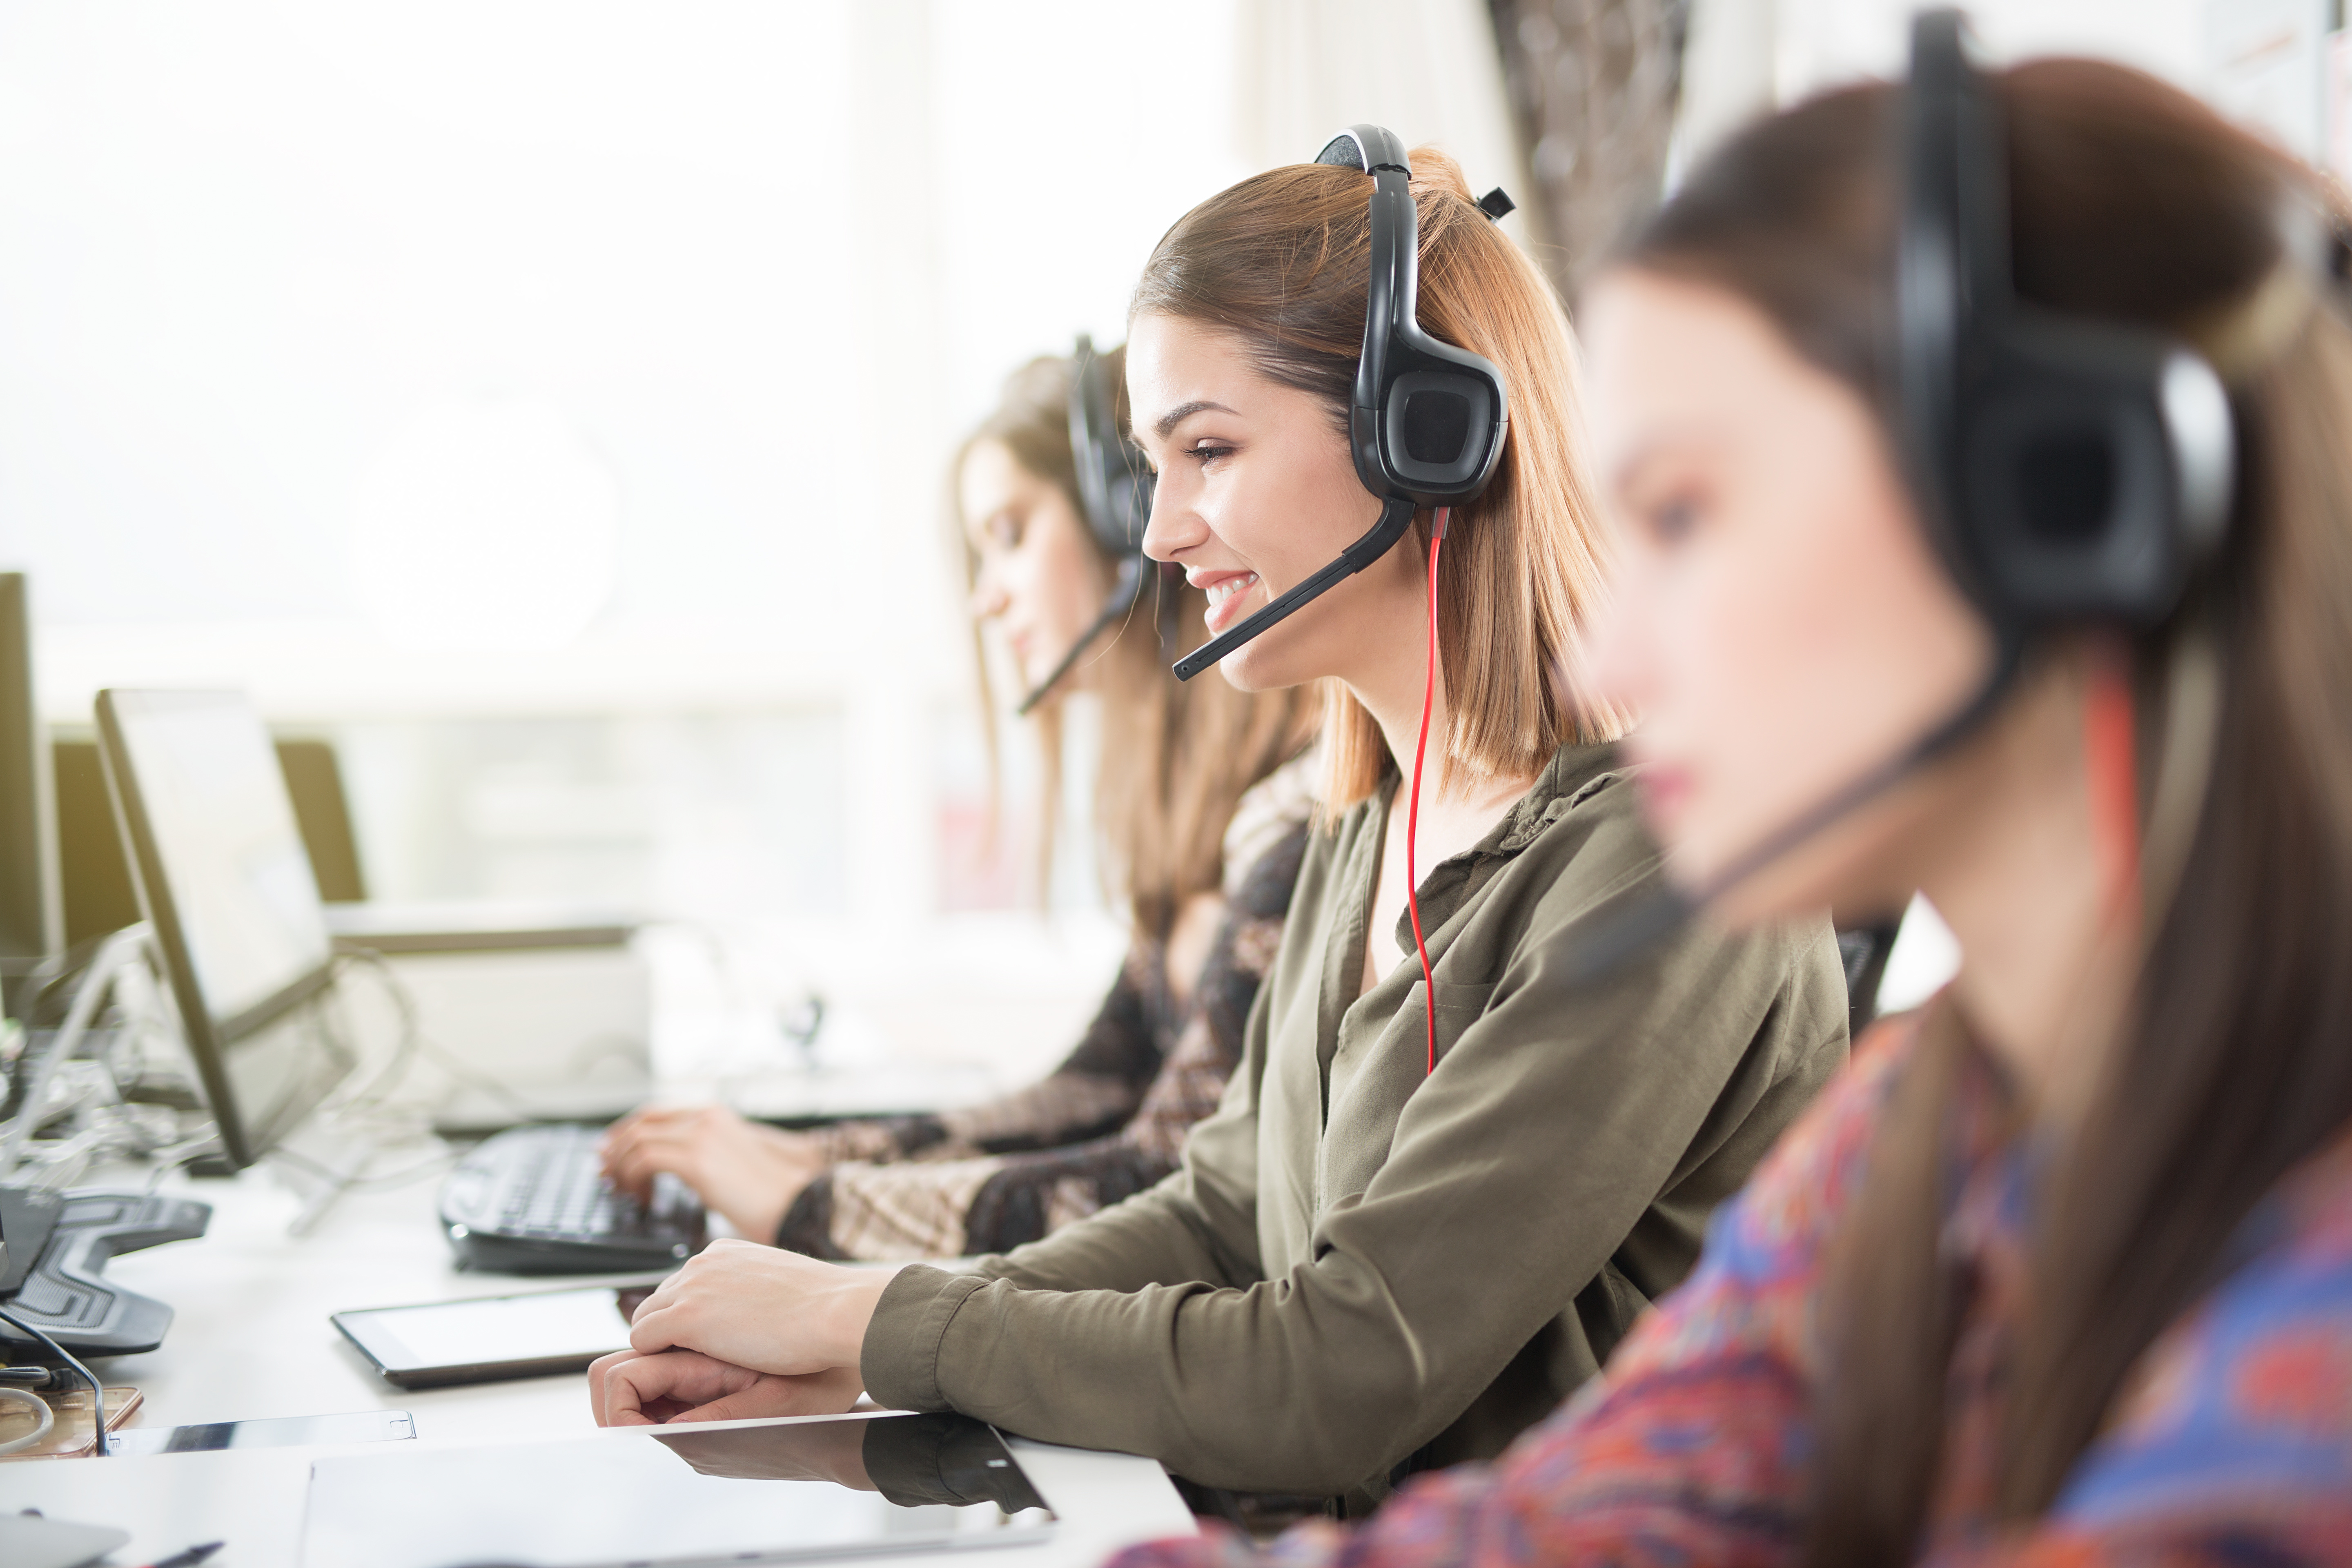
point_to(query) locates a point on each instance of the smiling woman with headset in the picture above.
(1423, 1214)
(1202, 795)
(1990, 530)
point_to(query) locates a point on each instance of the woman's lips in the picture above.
(1022, 646)
(1227, 592)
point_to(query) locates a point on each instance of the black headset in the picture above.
(2070, 472)
(1115, 488)
(1425, 420)
(2069, 469)
(1115, 483)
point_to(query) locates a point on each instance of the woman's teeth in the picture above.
(1219, 592)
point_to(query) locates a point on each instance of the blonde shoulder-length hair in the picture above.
(1283, 261)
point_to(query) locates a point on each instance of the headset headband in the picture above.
(1426, 420)
(1392, 292)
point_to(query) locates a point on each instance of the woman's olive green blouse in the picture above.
(1363, 1269)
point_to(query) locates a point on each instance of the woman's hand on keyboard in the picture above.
(749, 1172)
(764, 1308)
(629, 1389)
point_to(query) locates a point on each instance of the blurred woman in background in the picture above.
(2060, 1272)
(1200, 797)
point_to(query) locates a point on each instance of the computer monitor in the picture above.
(32, 917)
(99, 894)
(226, 882)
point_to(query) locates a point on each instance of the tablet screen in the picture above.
(765, 1493)
(544, 1331)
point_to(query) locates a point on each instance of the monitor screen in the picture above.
(226, 883)
(223, 833)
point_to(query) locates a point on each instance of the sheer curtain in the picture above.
(1427, 70)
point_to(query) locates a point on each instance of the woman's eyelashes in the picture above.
(1205, 452)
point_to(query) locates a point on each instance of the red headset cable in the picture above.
(2110, 743)
(1412, 809)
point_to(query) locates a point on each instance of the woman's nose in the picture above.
(1172, 526)
(988, 595)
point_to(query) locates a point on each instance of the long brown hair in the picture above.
(1282, 260)
(1175, 758)
(2129, 201)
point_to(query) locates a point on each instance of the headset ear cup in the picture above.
(1130, 500)
(1439, 433)
(2094, 469)
(2069, 468)
(1431, 425)
(1113, 478)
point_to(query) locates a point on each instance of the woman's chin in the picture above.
(1253, 668)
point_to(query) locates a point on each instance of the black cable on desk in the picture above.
(97, 1392)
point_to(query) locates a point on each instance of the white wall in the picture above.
(551, 397)
(761, 259)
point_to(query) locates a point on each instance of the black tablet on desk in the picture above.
(536, 1334)
(636, 1496)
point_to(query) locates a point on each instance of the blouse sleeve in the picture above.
(1030, 1194)
(1690, 1447)
(1094, 1090)
(2233, 1444)
(1103, 1083)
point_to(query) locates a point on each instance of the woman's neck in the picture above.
(2048, 951)
(1452, 819)
(1395, 706)
(1389, 679)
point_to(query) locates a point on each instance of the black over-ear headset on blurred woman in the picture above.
(1115, 487)
(2070, 472)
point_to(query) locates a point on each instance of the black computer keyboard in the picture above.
(530, 1201)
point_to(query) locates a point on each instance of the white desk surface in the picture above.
(251, 1340)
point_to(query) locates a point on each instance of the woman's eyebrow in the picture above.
(1183, 411)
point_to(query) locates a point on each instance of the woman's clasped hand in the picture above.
(741, 1330)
